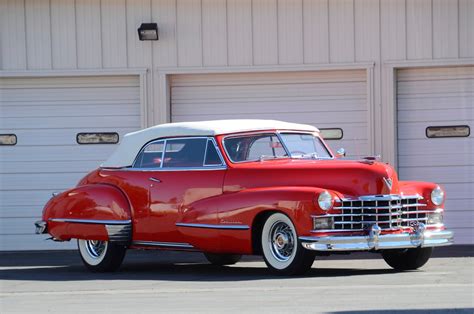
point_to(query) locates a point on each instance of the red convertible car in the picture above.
(233, 187)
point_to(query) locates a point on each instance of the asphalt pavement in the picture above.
(169, 282)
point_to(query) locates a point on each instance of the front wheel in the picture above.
(101, 256)
(281, 249)
(407, 259)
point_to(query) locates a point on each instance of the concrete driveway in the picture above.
(161, 282)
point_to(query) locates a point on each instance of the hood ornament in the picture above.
(388, 183)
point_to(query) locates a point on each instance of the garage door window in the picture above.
(97, 138)
(8, 139)
(448, 131)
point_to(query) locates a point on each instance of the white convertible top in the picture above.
(131, 143)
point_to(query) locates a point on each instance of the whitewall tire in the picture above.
(101, 256)
(281, 248)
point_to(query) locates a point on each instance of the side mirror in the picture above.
(341, 152)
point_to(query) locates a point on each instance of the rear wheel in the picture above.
(101, 256)
(222, 259)
(407, 259)
(281, 249)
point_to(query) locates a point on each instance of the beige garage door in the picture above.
(438, 99)
(46, 114)
(326, 99)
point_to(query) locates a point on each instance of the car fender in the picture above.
(237, 213)
(91, 212)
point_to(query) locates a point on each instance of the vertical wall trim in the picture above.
(151, 91)
(101, 36)
(202, 37)
(432, 32)
(227, 32)
(302, 31)
(329, 30)
(459, 29)
(176, 31)
(353, 32)
(75, 32)
(126, 33)
(26, 37)
(253, 29)
(51, 36)
(278, 31)
(406, 31)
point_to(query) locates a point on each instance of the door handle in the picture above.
(155, 180)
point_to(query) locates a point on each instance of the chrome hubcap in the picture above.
(96, 248)
(282, 241)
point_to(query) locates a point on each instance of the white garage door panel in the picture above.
(54, 153)
(273, 105)
(290, 116)
(326, 99)
(46, 114)
(459, 219)
(69, 122)
(49, 166)
(63, 94)
(42, 181)
(22, 242)
(449, 174)
(67, 109)
(439, 97)
(268, 78)
(434, 103)
(443, 145)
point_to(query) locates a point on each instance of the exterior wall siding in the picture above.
(75, 34)
(207, 34)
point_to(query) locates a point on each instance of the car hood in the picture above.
(348, 177)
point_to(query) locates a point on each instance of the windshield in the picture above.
(269, 146)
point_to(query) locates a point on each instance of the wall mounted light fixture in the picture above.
(148, 31)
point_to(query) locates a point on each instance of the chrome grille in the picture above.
(389, 212)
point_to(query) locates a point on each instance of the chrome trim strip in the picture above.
(213, 226)
(164, 244)
(206, 168)
(91, 221)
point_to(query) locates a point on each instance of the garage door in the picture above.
(46, 115)
(326, 99)
(435, 115)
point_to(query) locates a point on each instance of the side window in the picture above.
(212, 157)
(151, 156)
(183, 153)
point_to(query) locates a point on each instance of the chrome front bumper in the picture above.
(420, 237)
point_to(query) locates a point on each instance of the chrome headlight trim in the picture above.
(437, 196)
(325, 200)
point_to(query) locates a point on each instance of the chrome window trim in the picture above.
(213, 226)
(91, 221)
(222, 166)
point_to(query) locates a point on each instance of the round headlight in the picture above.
(437, 195)
(325, 200)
